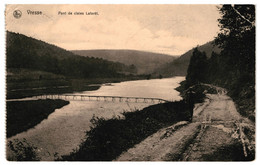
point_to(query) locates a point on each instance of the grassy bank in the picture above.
(107, 139)
(22, 115)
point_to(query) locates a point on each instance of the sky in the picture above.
(169, 29)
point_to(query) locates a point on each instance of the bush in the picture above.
(21, 151)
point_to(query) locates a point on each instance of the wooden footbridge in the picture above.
(102, 98)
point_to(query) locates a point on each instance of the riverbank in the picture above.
(107, 139)
(20, 88)
(23, 115)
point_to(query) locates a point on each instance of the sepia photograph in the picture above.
(130, 82)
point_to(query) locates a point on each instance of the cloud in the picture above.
(172, 30)
(121, 33)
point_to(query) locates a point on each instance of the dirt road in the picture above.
(217, 133)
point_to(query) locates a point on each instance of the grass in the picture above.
(107, 139)
(22, 115)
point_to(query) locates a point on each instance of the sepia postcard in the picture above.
(130, 82)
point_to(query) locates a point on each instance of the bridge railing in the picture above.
(102, 98)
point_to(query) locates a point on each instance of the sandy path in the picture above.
(214, 126)
(157, 147)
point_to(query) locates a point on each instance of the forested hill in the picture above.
(29, 53)
(145, 62)
(179, 66)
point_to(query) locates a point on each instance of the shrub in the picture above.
(21, 151)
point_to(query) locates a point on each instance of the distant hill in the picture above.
(145, 62)
(179, 66)
(24, 52)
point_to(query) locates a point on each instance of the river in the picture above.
(65, 128)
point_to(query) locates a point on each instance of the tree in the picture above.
(197, 68)
(237, 59)
(237, 36)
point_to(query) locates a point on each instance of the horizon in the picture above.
(101, 48)
(166, 29)
(111, 48)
